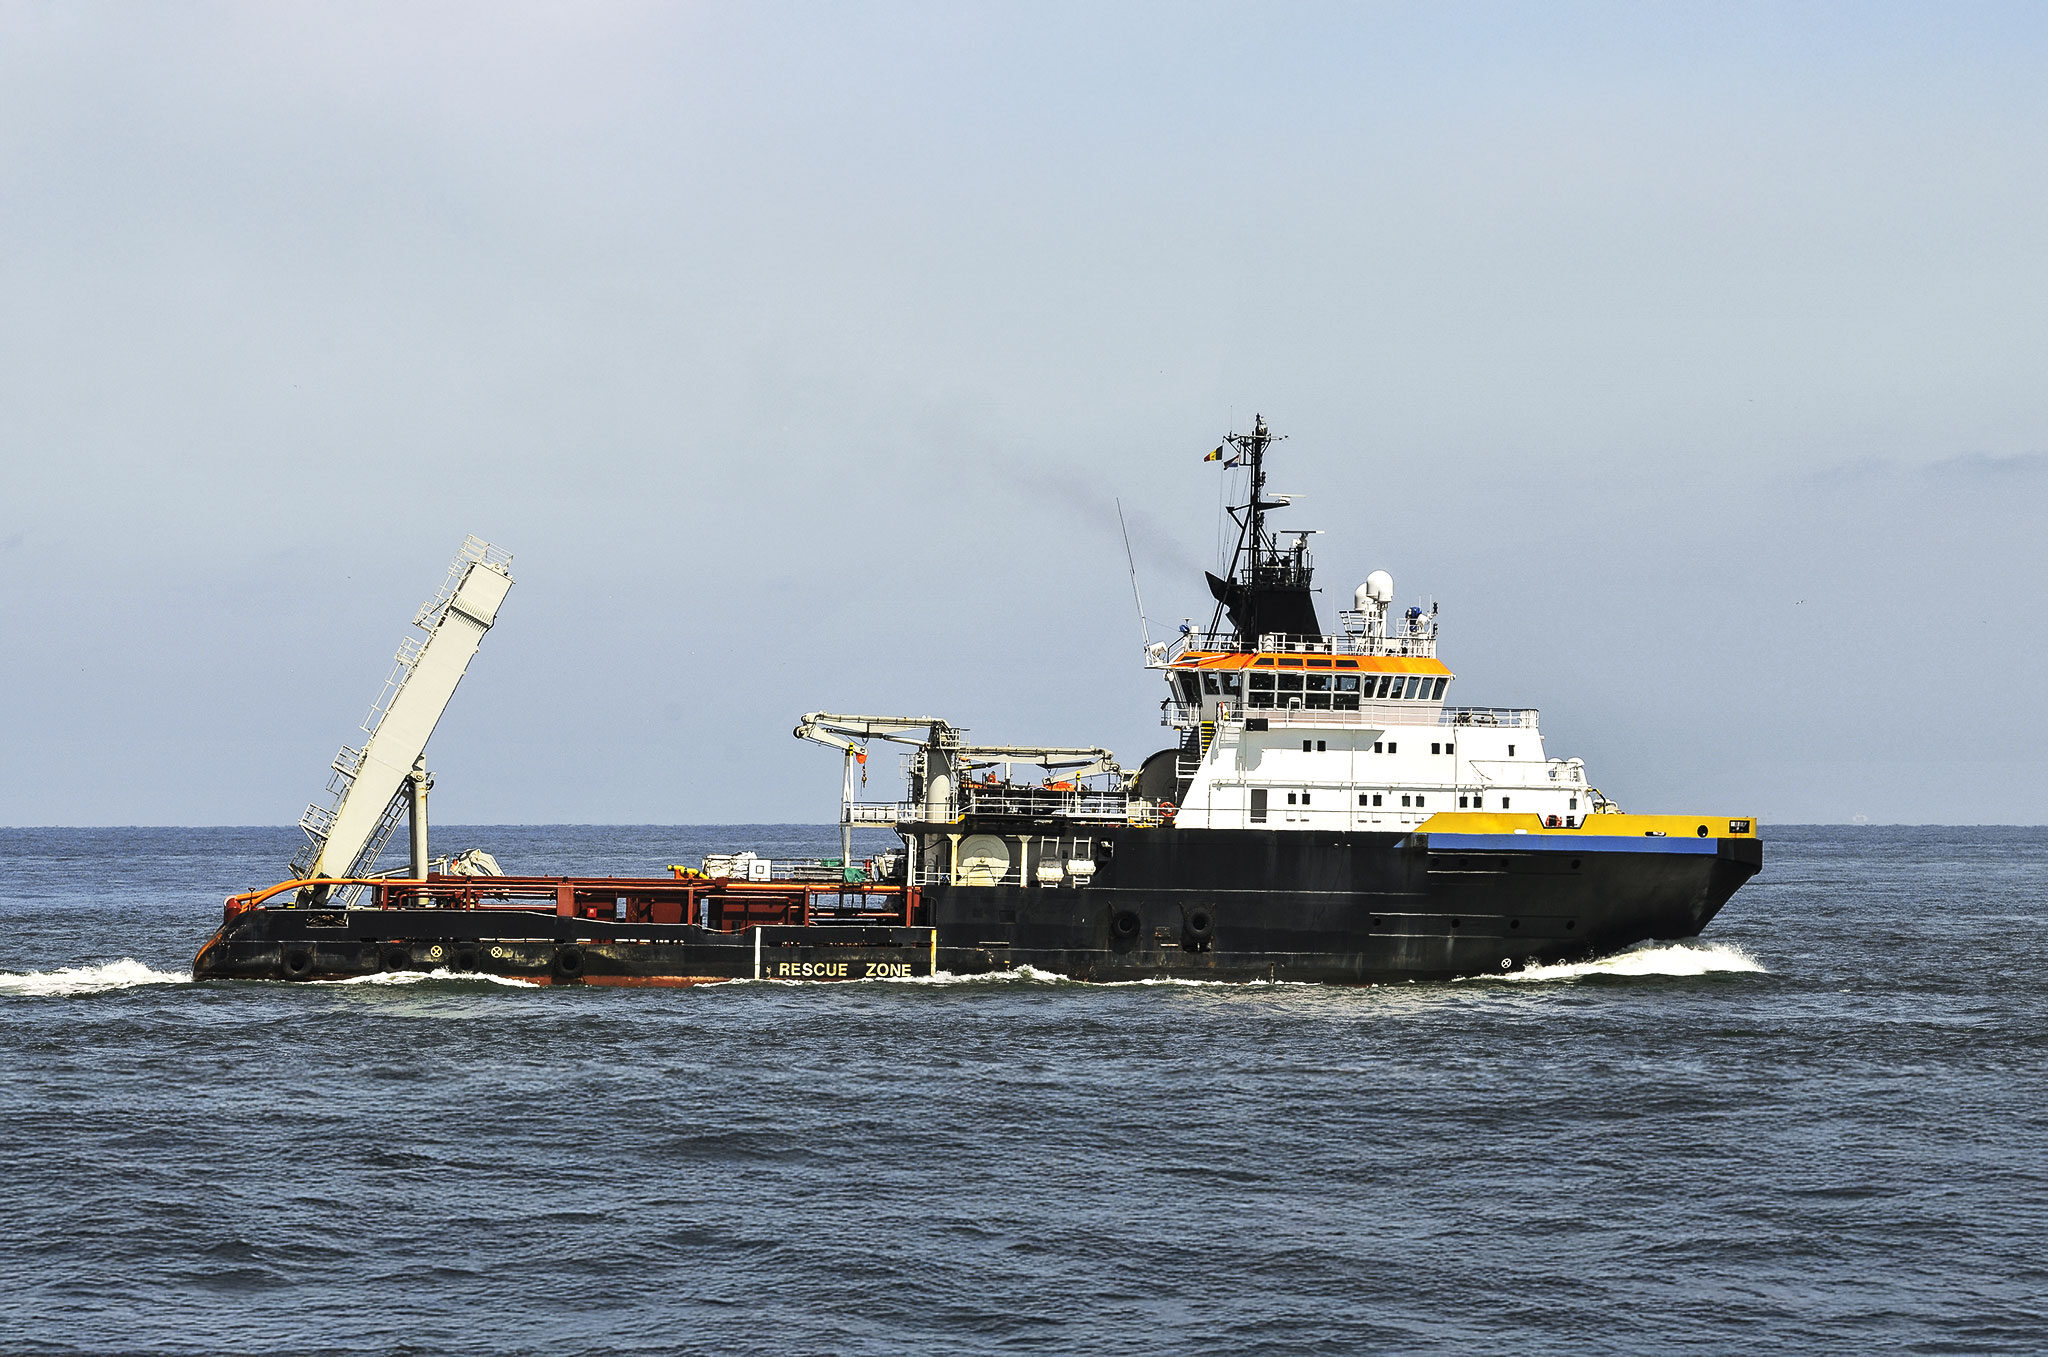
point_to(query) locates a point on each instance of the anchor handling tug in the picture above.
(1323, 815)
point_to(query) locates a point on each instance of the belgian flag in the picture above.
(1215, 456)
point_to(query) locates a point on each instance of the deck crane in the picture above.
(852, 734)
(372, 787)
(939, 762)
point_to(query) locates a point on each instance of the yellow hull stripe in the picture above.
(1603, 826)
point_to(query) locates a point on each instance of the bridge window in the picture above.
(1363, 800)
(1385, 679)
(1289, 683)
(1393, 746)
(1290, 798)
(1231, 683)
(1260, 693)
(1212, 685)
(1304, 798)
(1439, 690)
(1418, 801)
(1378, 748)
(1322, 746)
(1258, 805)
(1375, 798)
(1404, 800)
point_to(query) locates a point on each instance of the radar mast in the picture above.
(1267, 590)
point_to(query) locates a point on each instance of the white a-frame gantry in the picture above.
(373, 787)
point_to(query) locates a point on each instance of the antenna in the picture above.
(1144, 631)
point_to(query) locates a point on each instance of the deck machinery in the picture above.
(1322, 815)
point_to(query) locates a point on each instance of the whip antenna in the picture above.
(1144, 631)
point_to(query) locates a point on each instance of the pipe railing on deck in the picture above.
(721, 903)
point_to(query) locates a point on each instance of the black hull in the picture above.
(542, 949)
(1349, 908)
(1345, 907)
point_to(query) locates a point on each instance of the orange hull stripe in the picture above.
(1365, 664)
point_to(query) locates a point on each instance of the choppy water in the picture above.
(1823, 1129)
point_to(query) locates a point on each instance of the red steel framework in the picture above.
(718, 903)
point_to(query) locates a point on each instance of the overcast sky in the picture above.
(1691, 357)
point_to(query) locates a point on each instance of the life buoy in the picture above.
(298, 963)
(569, 960)
(1167, 810)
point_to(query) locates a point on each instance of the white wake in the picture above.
(418, 977)
(1669, 959)
(127, 973)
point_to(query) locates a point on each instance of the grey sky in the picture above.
(1690, 357)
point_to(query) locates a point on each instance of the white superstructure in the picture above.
(1347, 731)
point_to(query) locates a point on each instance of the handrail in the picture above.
(474, 891)
(1418, 645)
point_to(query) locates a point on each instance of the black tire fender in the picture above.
(298, 963)
(569, 960)
(1124, 927)
(397, 958)
(1198, 926)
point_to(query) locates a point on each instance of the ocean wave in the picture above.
(1032, 975)
(1015, 975)
(421, 977)
(127, 973)
(1654, 959)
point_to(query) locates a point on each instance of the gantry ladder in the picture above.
(370, 789)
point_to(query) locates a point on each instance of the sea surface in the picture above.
(1822, 1128)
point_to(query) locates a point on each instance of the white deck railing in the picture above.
(1416, 645)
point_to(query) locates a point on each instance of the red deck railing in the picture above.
(715, 902)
